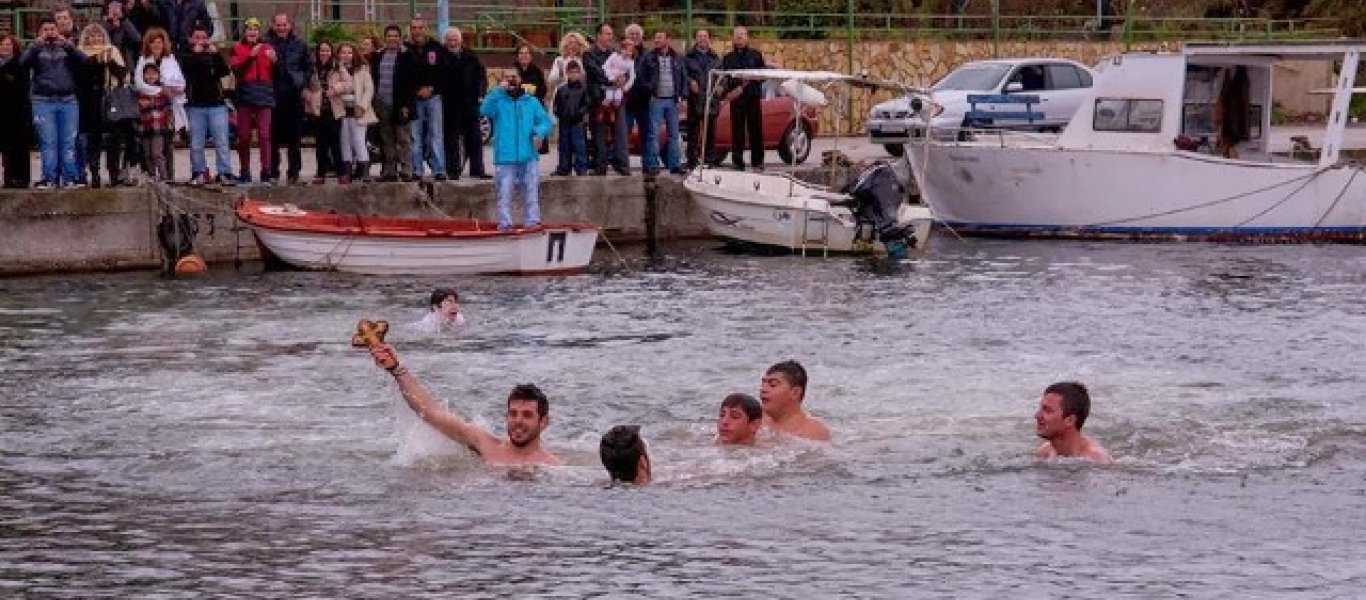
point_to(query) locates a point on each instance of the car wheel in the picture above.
(894, 149)
(485, 130)
(795, 144)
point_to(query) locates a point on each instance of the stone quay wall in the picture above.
(115, 229)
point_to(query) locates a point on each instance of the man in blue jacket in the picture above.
(665, 76)
(519, 124)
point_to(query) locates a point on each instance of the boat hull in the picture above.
(775, 211)
(418, 247)
(994, 190)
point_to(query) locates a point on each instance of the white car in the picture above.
(1059, 85)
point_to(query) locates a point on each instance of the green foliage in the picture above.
(807, 19)
(1277, 113)
(331, 32)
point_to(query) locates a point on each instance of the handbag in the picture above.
(120, 104)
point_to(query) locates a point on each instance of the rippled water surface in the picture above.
(220, 437)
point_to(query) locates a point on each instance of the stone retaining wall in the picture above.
(103, 230)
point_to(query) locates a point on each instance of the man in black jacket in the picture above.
(666, 83)
(701, 60)
(392, 67)
(293, 70)
(204, 70)
(595, 78)
(746, 116)
(429, 144)
(637, 101)
(463, 82)
(574, 101)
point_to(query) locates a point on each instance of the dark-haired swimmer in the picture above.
(782, 390)
(1062, 411)
(528, 414)
(624, 455)
(739, 420)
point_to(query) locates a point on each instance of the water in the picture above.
(220, 437)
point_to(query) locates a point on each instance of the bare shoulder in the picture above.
(1045, 450)
(815, 429)
(1096, 453)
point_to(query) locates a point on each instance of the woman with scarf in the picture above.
(104, 70)
(326, 126)
(14, 104)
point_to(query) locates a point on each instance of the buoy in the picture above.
(190, 264)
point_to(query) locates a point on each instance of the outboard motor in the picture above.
(878, 195)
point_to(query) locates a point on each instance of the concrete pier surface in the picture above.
(112, 229)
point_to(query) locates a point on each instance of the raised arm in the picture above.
(429, 409)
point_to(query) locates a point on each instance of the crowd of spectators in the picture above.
(129, 84)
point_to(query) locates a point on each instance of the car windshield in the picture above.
(973, 78)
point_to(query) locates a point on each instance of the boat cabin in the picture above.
(1213, 99)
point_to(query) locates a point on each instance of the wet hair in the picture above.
(792, 371)
(753, 409)
(620, 451)
(529, 391)
(1075, 399)
(440, 295)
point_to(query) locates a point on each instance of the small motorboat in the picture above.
(377, 245)
(777, 210)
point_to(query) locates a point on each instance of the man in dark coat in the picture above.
(463, 82)
(293, 70)
(393, 69)
(746, 114)
(701, 60)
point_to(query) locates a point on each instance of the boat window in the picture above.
(973, 78)
(1127, 114)
(1064, 77)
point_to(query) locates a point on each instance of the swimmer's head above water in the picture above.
(739, 420)
(528, 414)
(1062, 410)
(782, 389)
(445, 301)
(624, 455)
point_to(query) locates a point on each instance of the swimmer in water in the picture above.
(445, 312)
(528, 414)
(739, 420)
(624, 455)
(781, 391)
(1062, 412)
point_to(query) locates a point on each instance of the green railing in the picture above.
(500, 27)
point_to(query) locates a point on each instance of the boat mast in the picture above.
(1337, 118)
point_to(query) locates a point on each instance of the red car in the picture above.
(782, 131)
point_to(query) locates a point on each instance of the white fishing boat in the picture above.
(777, 210)
(375, 245)
(1171, 146)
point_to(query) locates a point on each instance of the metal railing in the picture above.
(499, 26)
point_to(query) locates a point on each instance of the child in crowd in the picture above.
(571, 107)
(155, 125)
(620, 68)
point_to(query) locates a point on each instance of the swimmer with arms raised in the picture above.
(528, 414)
(1062, 412)
(781, 391)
